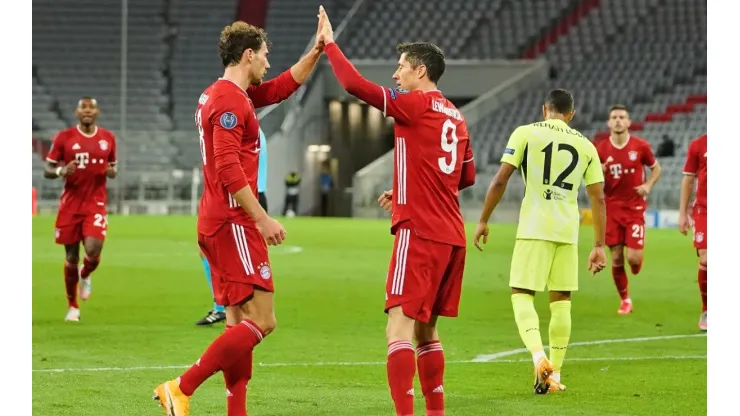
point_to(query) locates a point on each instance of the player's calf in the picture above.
(401, 364)
(431, 364)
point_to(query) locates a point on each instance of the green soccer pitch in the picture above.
(327, 355)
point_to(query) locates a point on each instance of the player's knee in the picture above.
(617, 258)
(424, 333)
(703, 257)
(634, 258)
(400, 327)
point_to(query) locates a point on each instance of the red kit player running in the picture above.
(696, 168)
(433, 161)
(624, 158)
(233, 229)
(85, 156)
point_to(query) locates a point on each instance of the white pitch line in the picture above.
(491, 357)
(478, 359)
(361, 363)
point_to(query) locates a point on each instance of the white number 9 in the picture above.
(449, 146)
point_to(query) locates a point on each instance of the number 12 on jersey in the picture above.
(560, 180)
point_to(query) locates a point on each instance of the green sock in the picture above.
(528, 323)
(559, 332)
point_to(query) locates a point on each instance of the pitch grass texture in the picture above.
(150, 289)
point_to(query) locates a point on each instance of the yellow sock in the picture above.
(529, 324)
(559, 332)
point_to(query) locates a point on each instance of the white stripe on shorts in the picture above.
(242, 248)
(401, 251)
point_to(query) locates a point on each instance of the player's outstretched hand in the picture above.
(326, 33)
(480, 231)
(683, 223)
(69, 168)
(272, 231)
(597, 260)
(386, 200)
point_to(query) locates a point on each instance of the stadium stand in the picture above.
(647, 54)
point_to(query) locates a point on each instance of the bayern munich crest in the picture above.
(265, 271)
(633, 155)
(699, 237)
(103, 145)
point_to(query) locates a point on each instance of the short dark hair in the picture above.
(560, 100)
(618, 107)
(427, 54)
(237, 38)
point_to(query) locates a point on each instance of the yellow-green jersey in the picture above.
(554, 159)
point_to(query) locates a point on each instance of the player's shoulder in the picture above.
(106, 133)
(637, 141)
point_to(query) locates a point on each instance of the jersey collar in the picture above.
(85, 134)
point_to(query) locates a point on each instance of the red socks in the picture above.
(401, 370)
(71, 277)
(226, 353)
(703, 286)
(89, 265)
(431, 362)
(620, 281)
(237, 377)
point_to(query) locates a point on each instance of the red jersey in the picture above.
(230, 145)
(625, 171)
(696, 164)
(433, 158)
(84, 190)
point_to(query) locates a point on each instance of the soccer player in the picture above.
(433, 161)
(696, 168)
(85, 157)
(233, 229)
(624, 158)
(217, 313)
(553, 159)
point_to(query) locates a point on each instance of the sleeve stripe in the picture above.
(385, 102)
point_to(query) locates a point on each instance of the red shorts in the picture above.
(239, 263)
(424, 277)
(700, 230)
(72, 228)
(625, 227)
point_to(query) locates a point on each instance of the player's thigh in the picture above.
(447, 296)
(68, 229)
(95, 225)
(531, 263)
(635, 233)
(239, 263)
(564, 271)
(615, 230)
(700, 231)
(409, 275)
